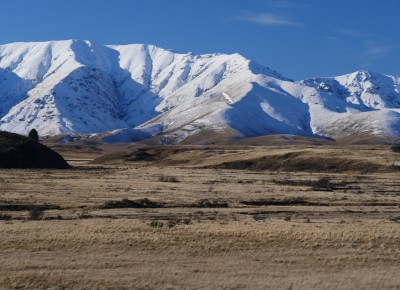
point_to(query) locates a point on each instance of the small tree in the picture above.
(33, 135)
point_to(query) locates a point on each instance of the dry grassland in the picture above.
(181, 222)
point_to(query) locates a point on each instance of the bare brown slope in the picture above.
(300, 162)
(274, 140)
(363, 159)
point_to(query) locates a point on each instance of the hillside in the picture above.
(17, 151)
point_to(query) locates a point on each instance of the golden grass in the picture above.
(345, 238)
(117, 254)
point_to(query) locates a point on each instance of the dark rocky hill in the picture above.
(17, 151)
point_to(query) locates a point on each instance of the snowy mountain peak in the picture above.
(76, 86)
(362, 88)
(63, 86)
(362, 75)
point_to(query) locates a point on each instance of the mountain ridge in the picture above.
(136, 91)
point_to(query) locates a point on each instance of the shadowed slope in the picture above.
(17, 151)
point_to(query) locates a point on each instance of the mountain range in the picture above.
(123, 93)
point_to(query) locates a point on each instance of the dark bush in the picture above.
(210, 203)
(5, 217)
(322, 184)
(164, 178)
(127, 203)
(279, 202)
(33, 135)
(287, 218)
(156, 224)
(35, 213)
(27, 206)
(395, 148)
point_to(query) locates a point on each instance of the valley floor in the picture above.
(159, 226)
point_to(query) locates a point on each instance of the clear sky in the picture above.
(298, 38)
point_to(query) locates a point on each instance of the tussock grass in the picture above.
(90, 246)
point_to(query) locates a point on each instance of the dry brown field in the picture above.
(200, 217)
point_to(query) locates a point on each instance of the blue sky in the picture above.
(298, 38)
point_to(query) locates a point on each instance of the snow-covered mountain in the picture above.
(137, 91)
(361, 103)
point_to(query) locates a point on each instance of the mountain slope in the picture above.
(360, 103)
(131, 92)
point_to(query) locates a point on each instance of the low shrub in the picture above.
(127, 203)
(164, 178)
(322, 184)
(395, 148)
(287, 218)
(280, 202)
(156, 224)
(35, 213)
(5, 217)
(210, 203)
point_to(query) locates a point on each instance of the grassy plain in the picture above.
(196, 217)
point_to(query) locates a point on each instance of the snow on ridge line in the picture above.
(81, 50)
(78, 86)
(71, 82)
